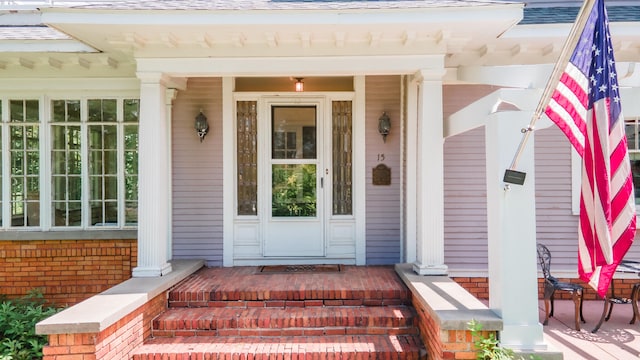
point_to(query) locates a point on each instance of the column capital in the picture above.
(170, 95)
(435, 74)
(154, 77)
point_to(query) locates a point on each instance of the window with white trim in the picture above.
(79, 173)
(632, 128)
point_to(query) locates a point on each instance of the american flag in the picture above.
(586, 107)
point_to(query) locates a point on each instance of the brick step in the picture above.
(313, 321)
(286, 298)
(302, 347)
(242, 287)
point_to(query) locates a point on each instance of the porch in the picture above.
(357, 311)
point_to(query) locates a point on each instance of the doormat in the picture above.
(298, 269)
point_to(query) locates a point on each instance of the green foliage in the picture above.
(18, 320)
(489, 347)
(294, 190)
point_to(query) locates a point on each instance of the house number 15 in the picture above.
(380, 157)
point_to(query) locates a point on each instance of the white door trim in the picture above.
(248, 227)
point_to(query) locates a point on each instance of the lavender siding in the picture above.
(556, 226)
(465, 190)
(197, 173)
(383, 201)
(465, 208)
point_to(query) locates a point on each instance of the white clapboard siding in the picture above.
(197, 173)
(383, 201)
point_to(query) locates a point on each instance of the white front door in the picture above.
(294, 205)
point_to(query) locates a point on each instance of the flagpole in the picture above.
(558, 68)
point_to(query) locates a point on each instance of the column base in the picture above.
(421, 269)
(151, 271)
(526, 337)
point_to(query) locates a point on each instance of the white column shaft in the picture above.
(511, 217)
(430, 177)
(411, 169)
(153, 182)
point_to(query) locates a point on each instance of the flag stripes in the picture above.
(586, 107)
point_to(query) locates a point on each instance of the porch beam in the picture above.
(475, 114)
(533, 76)
(286, 66)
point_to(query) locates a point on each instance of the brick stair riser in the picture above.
(283, 322)
(308, 295)
(286, 332)
(311, 348)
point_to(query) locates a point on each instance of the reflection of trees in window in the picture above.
(342, 158)
(66, 163)
(294, 190)
(108, 162)
(25, 162)
(103, 162)
(247, 154)
(131, 112)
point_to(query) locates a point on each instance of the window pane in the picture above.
(293, 132)
(131, 212)
(131, 172)
(247, 143)
(131, 110)
(102, 110)
(342, 158)
(66, 163)
(25, 163)
(32, 111)
(294, 190)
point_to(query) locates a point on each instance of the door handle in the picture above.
(322, 182)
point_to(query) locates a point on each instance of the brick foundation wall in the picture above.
(115, 342)
(444, 344)
(66, 271)
(479, 287)
(476, 286)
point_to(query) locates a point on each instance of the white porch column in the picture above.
(171, 95)
(153, 182)
(430, 175)
(411, 179)
(511, 217)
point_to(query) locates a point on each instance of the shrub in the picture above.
(489, 348)
(18, 320)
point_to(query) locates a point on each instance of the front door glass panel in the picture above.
(293, 161)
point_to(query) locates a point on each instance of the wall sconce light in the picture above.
(299, 84)
(201, 125)
(384, 125)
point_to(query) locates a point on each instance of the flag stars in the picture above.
(603, 88)
(599, 70)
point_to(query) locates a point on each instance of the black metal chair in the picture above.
(551, 285)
